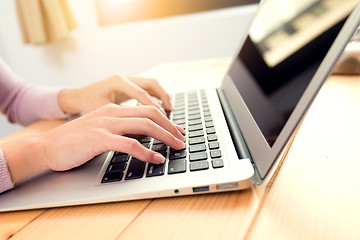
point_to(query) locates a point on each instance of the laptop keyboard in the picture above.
(202, 152)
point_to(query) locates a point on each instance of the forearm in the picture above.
(24, 103)
(35, 103)
(24, 157)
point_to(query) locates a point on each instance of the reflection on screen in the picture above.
(284, 48)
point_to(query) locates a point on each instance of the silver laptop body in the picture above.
(282, 62)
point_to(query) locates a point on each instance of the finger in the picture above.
(155, 89)
(149, 112)
(136, 92)
(134, 148)
(144, 126)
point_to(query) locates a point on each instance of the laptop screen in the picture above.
(286, 43)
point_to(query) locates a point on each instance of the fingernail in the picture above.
(180, 136)
(180, 128)
(158, 158)
(180, 143)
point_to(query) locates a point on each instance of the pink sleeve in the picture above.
(5, 179)
(24, 103)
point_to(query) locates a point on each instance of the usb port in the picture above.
(201, 189)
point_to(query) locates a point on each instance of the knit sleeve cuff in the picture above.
(53, 110)
(5, 179)
(39, 103)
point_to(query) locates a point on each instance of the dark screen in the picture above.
(281, 54)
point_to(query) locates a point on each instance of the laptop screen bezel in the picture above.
(262, 154)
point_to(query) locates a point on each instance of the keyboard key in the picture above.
(180, 98)
(112, 177)
(212, 137)
(177, 166)
(199, 165)
(179, 117)
(209, 124)
(177, 154)
(117, 167)
(217, 163)
(193, 112)
(213, 145)
(205, 104)
(207, 119)
(194, 122)
(159, 147)
(207, 114)
(210, 130)
(192, 94)
(179, 121)
(155, 170)
(157, 141)
(179, 101)
(163, 153)
(177, 150)
(119, 153)
(206, 109)
(195, 116)
(215, 153)
(183, 126)
(196, 134)
(198, 156)
(179, 107)
(192, 108)
(197, 148)
(196, 140)
(136, 169)
(195, 127)
(143, 139)
(120, 158)
(193, 103)
(146, 144)
(179, 112)
(180, 95)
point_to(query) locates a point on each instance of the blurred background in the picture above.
(119, 11)
(127, 36)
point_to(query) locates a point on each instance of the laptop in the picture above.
(234, 133)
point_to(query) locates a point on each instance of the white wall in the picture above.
(92, 53)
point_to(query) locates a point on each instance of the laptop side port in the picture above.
(201, 189)
(225, 186)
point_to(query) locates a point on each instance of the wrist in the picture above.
(67, 101)
(25, 157)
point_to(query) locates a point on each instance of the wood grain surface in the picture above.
(312, 193)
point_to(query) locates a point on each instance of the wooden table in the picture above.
(313, 193)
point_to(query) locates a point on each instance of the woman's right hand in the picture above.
(76, 142)
(105, 129)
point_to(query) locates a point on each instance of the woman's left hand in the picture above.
(115, 89)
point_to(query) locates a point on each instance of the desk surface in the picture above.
(311, 194)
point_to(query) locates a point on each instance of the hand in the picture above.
(115, 89)
(78, 141)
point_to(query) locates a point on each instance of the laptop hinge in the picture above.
(236, 135)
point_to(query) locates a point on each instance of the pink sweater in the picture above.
(24, 104)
